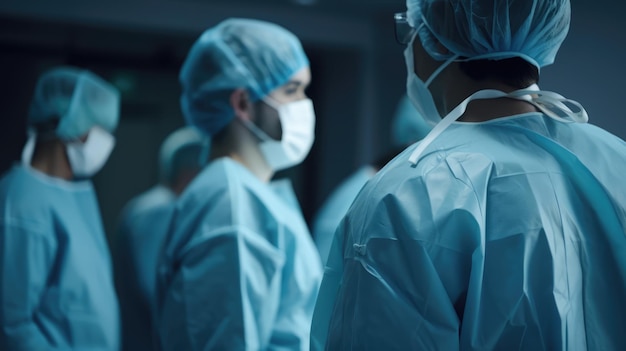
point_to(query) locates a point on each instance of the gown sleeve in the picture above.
(224, 293)
(26, 260)
(400, 266)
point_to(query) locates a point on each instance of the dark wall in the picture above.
(144, 66)
(358, 76)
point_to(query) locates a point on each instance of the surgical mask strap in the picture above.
(253, 127)
(440, 69)
(256, 130)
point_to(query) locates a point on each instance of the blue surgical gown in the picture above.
(240, 270)
(506, 235)
(56, 289)
(335, 207)
(142, 229)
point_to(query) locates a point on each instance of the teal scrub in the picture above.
(143, 227)
(56, 287)
(507, 234)
(240, 270)
(335, 207)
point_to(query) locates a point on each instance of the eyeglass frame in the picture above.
(402, 29)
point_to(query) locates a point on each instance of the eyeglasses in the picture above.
(403, 30)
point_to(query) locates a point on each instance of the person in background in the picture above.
(505, 227)
(240, 270)
(56, 283)
(143, 226)
(407, 127)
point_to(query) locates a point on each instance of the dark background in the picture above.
(358, 75)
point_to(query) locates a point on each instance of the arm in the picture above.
(327, 293)
(26, 258)
(135, 310)
(406, 254)
(401, 305)
(302, 276)
(224, 293)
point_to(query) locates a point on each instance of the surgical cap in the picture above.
(78, 99)
(181, 151)
(237, 53)
(407, 126)
(492, 29)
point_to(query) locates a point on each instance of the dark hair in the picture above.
(515, 72)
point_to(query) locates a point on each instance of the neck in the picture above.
(243, 147)
(480, 110)
(182, 180)
(50, 158)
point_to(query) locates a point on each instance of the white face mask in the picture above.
(417, 90)
(87, 158)
(297, 120)
(551, 104)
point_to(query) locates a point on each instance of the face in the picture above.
(294, 90)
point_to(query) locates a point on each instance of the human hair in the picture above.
(515, 72)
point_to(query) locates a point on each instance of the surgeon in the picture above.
(240, 270)
(56, 290)
(143, 226)
(504, 228)
(407, 127)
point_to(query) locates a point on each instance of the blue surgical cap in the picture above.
(492, 29)
(407, 126)
(78, 99)
(237, 53)
(182, 150)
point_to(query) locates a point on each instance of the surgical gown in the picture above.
(240, 270)
(143, 226)
(332, 211)
(56, 289)
(506, 235)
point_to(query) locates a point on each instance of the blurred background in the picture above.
(358, 75)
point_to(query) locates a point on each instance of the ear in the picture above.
(241, 104)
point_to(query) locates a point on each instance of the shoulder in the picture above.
(595, 137)
(226, 197)
(25, 205)
(406, 202)
(227, 179)
(224, 194)
(22, 195)
(156, 196)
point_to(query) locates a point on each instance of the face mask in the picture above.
(297, 120)
(417, 90)
(87, 158)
